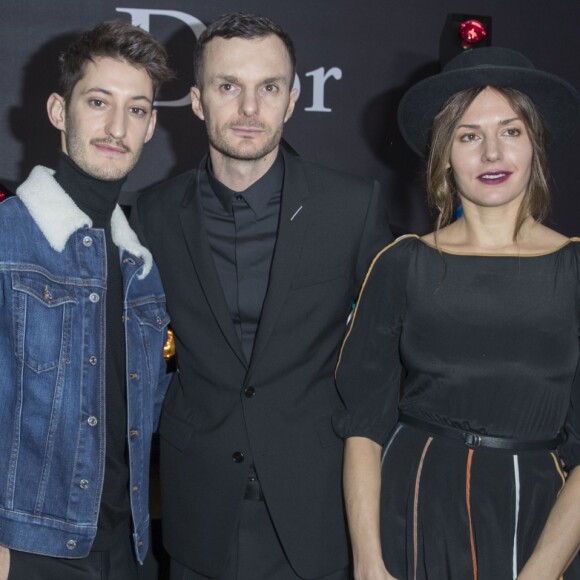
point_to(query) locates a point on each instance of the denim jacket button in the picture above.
(133, 433)
(94, 297)
(84, 483)
(92, 421)
(87, 241)
(93, 360)
(71, 545)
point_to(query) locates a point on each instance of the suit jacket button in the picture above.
(249, 392)
(238, 457)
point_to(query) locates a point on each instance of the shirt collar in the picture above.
(258, 194)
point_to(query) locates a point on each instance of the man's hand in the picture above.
(4, 562)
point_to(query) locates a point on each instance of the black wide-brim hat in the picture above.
(556, 99)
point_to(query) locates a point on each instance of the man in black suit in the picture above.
(262, 255)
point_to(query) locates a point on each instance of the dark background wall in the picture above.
(369, 51)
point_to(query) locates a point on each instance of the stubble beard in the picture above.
(240, 152)
(77, 149)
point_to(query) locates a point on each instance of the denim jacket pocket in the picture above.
(42, 317)
(153, 320)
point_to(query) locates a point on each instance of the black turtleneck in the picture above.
(98, 198)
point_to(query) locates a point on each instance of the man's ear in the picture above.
(55, 107)
(151, 126)
(291, 104)
(196, 105)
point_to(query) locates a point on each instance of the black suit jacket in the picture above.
(279, 405)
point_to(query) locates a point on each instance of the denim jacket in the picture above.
(53, 290)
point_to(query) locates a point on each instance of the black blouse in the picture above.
(487, 343)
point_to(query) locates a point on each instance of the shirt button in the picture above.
(92, 421)
(133, 433)
(93, 360)
(71, 545)
(87, 241)
(94, 297)
(135, 488)
(238, 457)
(239, 197)
(84, 484)
(249, 392)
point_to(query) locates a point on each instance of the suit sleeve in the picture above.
(163, 380)
(376, 233)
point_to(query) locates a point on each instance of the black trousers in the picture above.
(116, 563)
(256, 555)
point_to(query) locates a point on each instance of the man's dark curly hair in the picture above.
(116, 39)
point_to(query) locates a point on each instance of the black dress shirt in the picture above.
(242, 228)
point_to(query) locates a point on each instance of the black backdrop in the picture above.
(355, 59)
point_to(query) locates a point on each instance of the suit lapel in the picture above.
(291, 229)
(192, 222)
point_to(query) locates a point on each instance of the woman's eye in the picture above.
(468, 137)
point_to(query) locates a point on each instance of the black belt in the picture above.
(253, 490)
(474, 440)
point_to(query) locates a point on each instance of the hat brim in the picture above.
(556, 99)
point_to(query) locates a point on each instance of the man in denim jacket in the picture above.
(82, 328)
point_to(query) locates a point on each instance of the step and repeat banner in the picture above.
(355, 60)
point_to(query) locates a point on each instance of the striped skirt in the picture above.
(449, 512)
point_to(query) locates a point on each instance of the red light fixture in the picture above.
(463, 32)
(472, 32)
(5, 193)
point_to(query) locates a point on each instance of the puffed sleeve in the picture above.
(368, 373)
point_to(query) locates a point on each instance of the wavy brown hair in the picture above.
(115, 39)
(441, 187)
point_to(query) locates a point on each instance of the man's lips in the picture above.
(247, 129)
(111, 148)
(494, 177)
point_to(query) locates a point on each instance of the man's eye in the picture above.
(227, 87)
(96, 103)
(138, 111)
(271, 88)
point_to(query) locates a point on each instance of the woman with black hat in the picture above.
(459, 369)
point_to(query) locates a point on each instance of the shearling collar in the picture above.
(58, 217)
